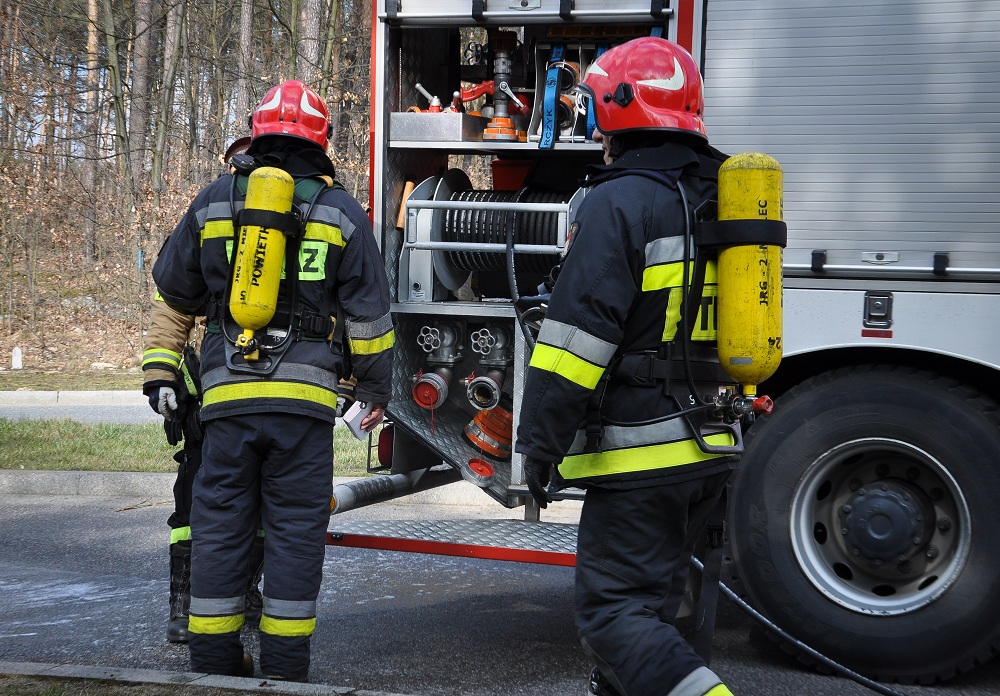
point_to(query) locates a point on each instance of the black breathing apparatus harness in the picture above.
(297, 324)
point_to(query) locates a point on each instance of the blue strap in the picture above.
(591, 111)
(657, 31)
(549, 100)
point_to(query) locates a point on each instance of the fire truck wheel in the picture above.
(864, 519)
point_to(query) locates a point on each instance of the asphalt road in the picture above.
(83, 581)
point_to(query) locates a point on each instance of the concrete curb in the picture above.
(73, 398)
(152, 676)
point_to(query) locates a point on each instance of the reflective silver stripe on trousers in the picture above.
(286, 372)
(287, 609)
(698, 683)
(577, 341)
(226, 606)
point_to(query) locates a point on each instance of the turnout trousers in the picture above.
(188, 462)
(275, 469)
(633, 554)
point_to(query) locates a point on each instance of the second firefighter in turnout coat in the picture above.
(268, 447)
(605, 381)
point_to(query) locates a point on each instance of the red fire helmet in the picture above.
(292, 109)
(646, 84)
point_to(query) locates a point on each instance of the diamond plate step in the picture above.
(508, 540)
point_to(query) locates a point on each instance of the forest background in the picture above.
(113, 113)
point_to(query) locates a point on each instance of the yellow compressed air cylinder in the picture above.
(259, 255)
(750, 286)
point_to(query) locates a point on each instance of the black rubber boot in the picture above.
(246, 667)
(180, 591)
(254, 603)
(599, 686)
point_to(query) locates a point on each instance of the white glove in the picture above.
(167, 403)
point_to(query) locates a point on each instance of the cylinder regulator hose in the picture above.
(818, 656)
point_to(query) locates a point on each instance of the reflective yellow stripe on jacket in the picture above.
(291, 381)
(665, 271)
(270, 390)
(629, 449)
(571, 353)
(371, 337)
(633, 459)
(161, 355)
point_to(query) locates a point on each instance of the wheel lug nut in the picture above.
(944, 524)
(846, 509)
(931, 552)
(855, 484)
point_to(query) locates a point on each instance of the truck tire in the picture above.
(864, 520)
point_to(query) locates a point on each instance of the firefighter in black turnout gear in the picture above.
(269, 403)
(174, 386)
(606, 380)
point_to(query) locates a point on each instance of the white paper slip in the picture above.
(355, 414)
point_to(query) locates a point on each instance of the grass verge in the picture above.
(65, 445)
(95, 380)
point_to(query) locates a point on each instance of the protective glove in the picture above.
(163, 400)
(174, 429)
(345, 395)
(536, 475)
(193, 432)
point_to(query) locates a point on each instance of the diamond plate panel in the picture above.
(504, 534)
(442, 430)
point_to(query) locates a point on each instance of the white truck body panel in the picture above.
(885, 117)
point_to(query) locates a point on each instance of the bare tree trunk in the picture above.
(336, 84)
(122, 156)
(310, 19)
(171, 44)
(47, 154)
(92, 118)
(8, 63)
(117, 94)
(139, 103)
(293, 37)
(214, 121)
(329, 46)
(245, 67)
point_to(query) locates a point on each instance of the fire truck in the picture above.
(862, 512)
